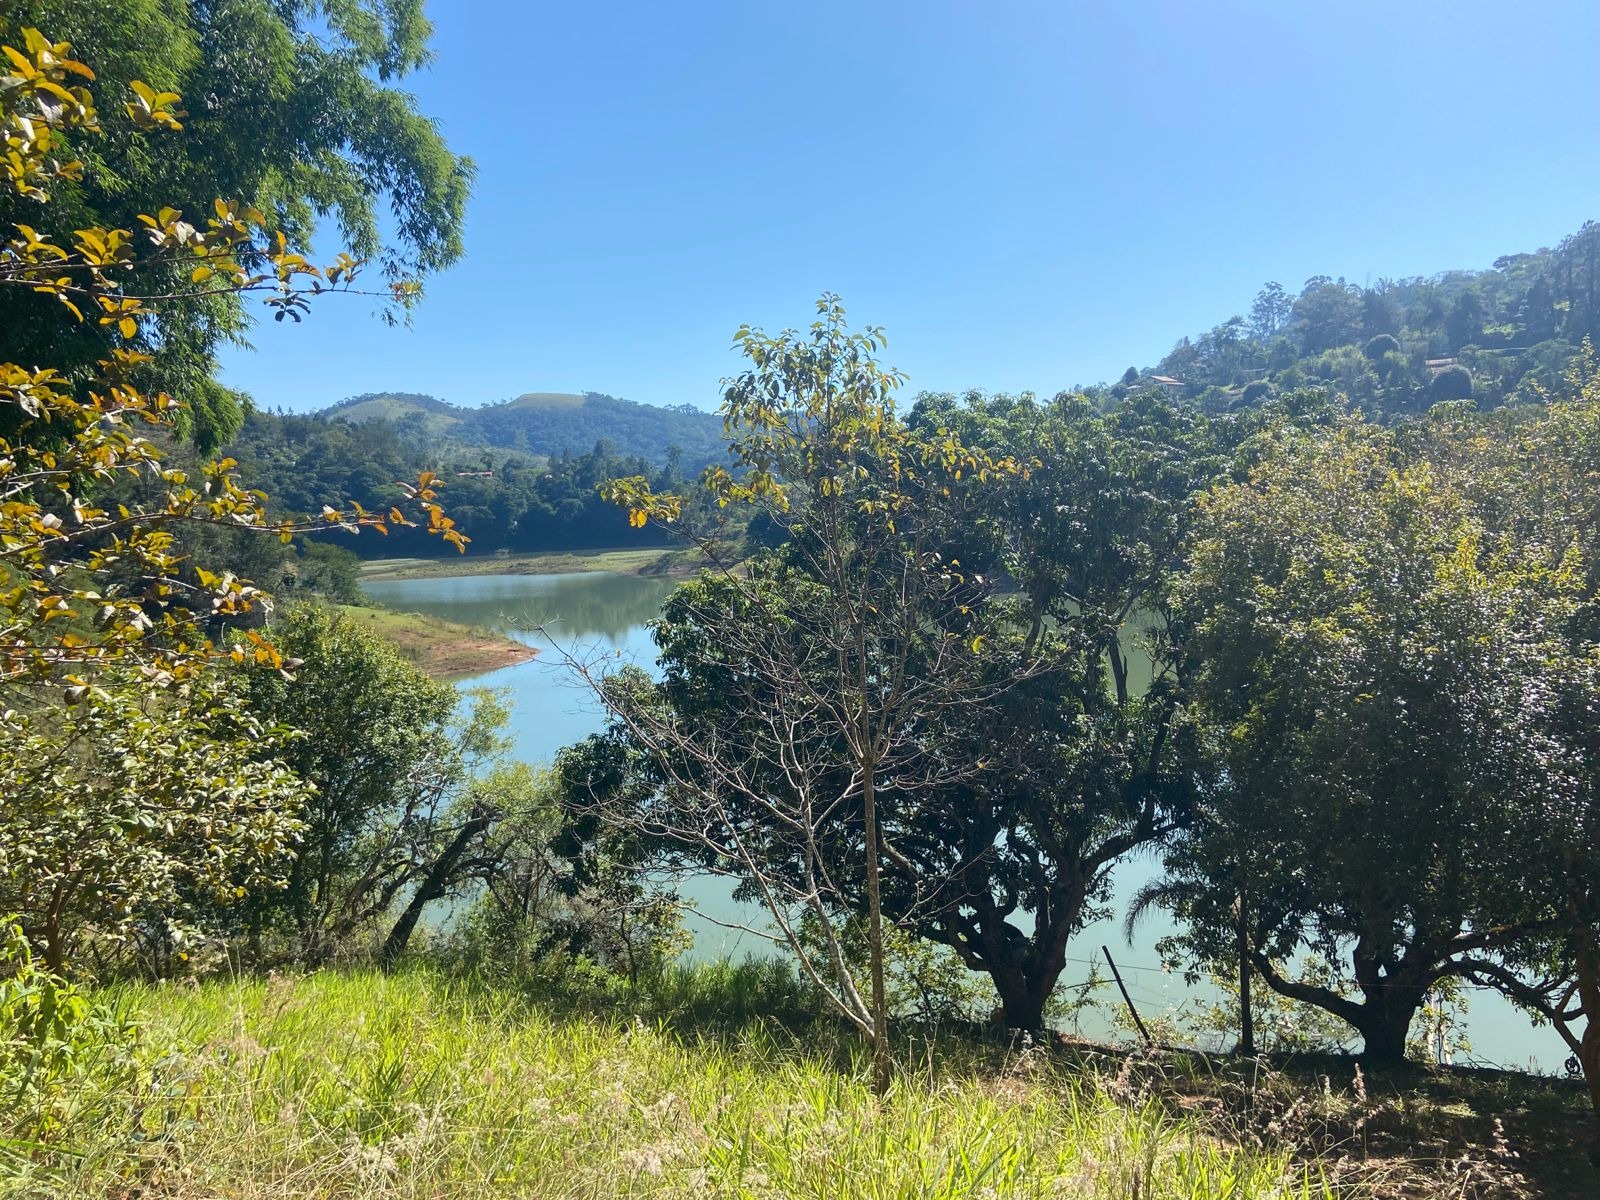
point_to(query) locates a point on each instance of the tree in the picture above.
(796, 687)
(66, 439)
(406, 792)
(1327, 314)
(1006, 865)
(1382, 344)
(131, 818)
(295, 112)
(1555, 458)
(1270, 312)
(1464, 325)
(1359, 657)
(1255, 393)
(140, 798)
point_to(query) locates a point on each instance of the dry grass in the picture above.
(444, 649)
(629, 561)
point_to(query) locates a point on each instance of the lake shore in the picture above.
(626, 561)
(444, 649)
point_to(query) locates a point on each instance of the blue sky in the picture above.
(1025, 195)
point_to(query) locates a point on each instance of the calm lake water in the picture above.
(549, 709)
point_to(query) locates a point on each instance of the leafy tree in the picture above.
(405, 794)
(295, 113)
(1555, 458)
(66, 440)
(1380, 315)
(1327, 314)
(1464, 325)
(1255, 392)
(1382, 344)
(1359, 658)
(1270, 312)
(1004, 866)
(140, 804)
(132, 817)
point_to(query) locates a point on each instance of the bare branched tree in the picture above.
(805, 690)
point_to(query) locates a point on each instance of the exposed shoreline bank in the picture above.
(445, 650)
(628, 561)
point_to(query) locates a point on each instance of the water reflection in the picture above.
(578, 607)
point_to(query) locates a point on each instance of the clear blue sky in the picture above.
(1026, 195)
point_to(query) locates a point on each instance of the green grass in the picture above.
(356, 1085)
(549, 400)
(632, 560)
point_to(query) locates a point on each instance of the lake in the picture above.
(606, 612)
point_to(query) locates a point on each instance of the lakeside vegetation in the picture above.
(894, 707)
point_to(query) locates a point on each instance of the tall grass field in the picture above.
(415, 1086)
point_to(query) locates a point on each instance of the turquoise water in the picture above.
(599, 613)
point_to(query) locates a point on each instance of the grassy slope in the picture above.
(628, 561)
(358, 1085)
(444, 649)
(392, 408)
(549, 400)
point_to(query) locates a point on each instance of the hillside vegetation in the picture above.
(1505, 334)
(549, 424)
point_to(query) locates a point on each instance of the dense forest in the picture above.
(896, 708)
(549, 424)
(1505, 335)
(500, 500)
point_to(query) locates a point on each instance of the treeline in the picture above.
(1501, 336)
(549, 424)
(1343, 676)
(501, 501)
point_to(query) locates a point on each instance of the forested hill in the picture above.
(1496, 336)
(548, 423)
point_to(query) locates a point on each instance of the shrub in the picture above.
(1377, 347)
(1452, 383)
(74, 1074)
(1255, 393)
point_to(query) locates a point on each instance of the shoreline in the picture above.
(445, 650)
(621, 561)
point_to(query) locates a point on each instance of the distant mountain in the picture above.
(549, 423)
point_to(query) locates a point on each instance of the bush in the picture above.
(1384, 343)
(1255, 393)
(74, 1075)
(1452, 383)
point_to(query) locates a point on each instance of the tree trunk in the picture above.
(1022, 1001)
(881, 1065)
(430, 889)
(1386, 1019)
(1589, 998)
(1247, 1018)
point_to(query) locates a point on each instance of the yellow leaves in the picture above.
(36, 98)
(52, 537)
(151, 110)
